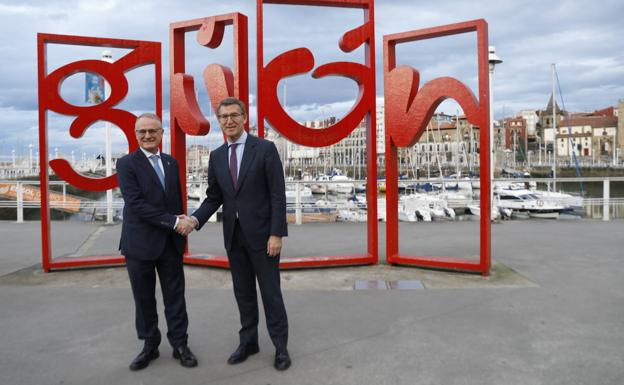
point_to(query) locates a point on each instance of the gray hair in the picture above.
(230, 101)
(148, 115)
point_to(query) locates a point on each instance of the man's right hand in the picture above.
(185, 225)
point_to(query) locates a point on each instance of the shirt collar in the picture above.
(148, 154)
(241, 140)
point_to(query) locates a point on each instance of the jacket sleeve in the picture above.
(277, 191)
(135, 201)
(214, 196)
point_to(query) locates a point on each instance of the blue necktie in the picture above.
(154, 158)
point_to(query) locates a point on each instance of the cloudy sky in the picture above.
(583, 38)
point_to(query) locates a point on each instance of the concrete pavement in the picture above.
(552, 313)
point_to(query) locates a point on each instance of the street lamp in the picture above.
(493, 60)
(107, 56)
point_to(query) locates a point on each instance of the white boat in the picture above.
(475, 210)
(516, 185)
(456, 199)
(450, 212)
(195, 191)
(568, 201)
(291, 191)
(544, 215)
(341, 185)
(524, 202)
(356, 201)
(407, 216)
(460, 184)
(319, 185)
(347, 215)
(425, 207)
(414, 207)
(505, 213)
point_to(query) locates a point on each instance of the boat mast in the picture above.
(554, 112)
(428, 158)
(457, 172)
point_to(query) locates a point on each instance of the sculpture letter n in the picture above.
(409, 109)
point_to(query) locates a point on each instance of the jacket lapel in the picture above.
(249, 153)
(223, 168)
(169, 173)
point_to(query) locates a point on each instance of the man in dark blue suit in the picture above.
(245, 176)
(150, 184)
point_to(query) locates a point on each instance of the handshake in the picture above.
(186, 225)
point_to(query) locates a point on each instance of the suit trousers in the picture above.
(247, 265)
(142, 275)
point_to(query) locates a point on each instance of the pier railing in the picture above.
(603, 195)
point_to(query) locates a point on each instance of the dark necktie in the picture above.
(154, 158)
(233, 164)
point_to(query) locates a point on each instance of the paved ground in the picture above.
(552, 312)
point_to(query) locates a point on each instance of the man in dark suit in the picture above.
(245, 176)
(150, 185)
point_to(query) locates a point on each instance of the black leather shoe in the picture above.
(282, 360)
(185, 355)
(143, 359)
(242, 352)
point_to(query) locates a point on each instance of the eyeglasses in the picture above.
(151, 131)
(235, 117)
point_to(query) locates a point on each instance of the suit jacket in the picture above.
(149, 213)
(259, 199)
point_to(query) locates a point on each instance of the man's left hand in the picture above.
(274, 246)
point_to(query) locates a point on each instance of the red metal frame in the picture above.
(300, 61)
(142, 53)
(220, 82)
(409, 109)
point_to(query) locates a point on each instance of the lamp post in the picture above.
(493, 60)
(107, 56)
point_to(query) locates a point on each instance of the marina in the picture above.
(336, 200)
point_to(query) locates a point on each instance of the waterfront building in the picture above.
(381, 136)
(348, 155)
(516, 135)
(530, 121)
(588, 136)
(197, 157)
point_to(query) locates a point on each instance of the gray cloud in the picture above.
(582, 37)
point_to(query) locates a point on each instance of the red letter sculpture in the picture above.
(409, 109)
(300, 61)
(220, 82)
(142, 53)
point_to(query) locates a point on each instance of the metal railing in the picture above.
(299, 206)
